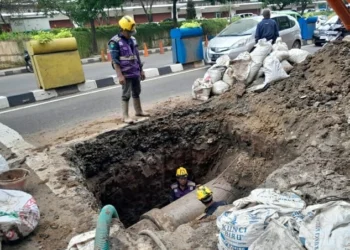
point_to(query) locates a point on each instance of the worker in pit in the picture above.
(127, 64)
(182, 186)
(267, 28)
(205, 195)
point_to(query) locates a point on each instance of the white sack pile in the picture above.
(270, 61)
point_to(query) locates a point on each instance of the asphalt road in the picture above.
(16, 84)
(71, 110)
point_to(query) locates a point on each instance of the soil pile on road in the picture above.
(295, 134)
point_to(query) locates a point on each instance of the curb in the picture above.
(83, 61)
(41, 95)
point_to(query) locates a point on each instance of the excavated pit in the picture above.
(133, 168)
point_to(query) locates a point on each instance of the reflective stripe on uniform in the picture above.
(127, 58)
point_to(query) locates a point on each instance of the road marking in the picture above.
(93, 92)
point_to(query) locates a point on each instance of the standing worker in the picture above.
(127, 64)
(205, 195)
(183, 186)
(267, 28)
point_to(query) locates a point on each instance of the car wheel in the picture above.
(296, 45)
(318, 44)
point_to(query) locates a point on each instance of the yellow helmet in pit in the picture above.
(204, 194)
(127, 23)
(181, 172)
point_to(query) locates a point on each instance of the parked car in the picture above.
(244, 15)
(321, 20)
(294, 14)
(180, 19)
(240, 36)
(328, 31)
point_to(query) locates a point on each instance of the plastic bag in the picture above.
(280, 55)
(3, 164)
(216, 72)
(201, 89)
(229, 77)
(241, 67)
(261, 51)
(326, 226)
(279, 45)
(220, 87)
(20, 214)
(276, 236)
(239, 229)
(273, 70)
(297, 55)
(223, 61)
(286, 66)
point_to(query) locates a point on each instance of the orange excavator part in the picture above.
(342, 11)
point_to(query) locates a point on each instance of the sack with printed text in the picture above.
(20, 214)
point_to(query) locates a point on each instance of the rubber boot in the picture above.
(126, 118)
(138, 108)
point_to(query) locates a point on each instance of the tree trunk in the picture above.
(93, 32)
(175, 13)
(2, 19)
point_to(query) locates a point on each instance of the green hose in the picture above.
(103, 225)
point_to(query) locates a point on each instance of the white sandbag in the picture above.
(220, 87)
(297, 55)
(241, 67)
(216, 72)
(326, 226)
(254, 70)
(280, 55)
(273, 70)
(3, 164)
(201, 89)
(286, 201)
(240, 228)
(286, 66)
(229, 77)
(276, 236)
(279, 45)
(223, 61)
(20, 214)
(262, 49)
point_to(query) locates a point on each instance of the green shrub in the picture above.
(146, 33)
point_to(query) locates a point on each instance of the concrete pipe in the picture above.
(185, 209)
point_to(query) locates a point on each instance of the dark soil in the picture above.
(244, 138)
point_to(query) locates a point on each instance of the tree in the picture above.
(148, 11)
(175, 13)
(281, 4)
(11, 7)
(81, 11)
(191, 10)
(303, 4)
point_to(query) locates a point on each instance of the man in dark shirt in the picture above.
(205, 195)
(267, 28)
(182, 186)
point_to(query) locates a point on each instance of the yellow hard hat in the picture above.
(204, 193)
(181, 172)
(127, 23)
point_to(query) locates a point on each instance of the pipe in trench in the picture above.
(183, 210)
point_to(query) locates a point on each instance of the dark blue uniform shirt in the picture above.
(212, 208)
(268, 29)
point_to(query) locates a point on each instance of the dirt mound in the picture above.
(244, 138)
